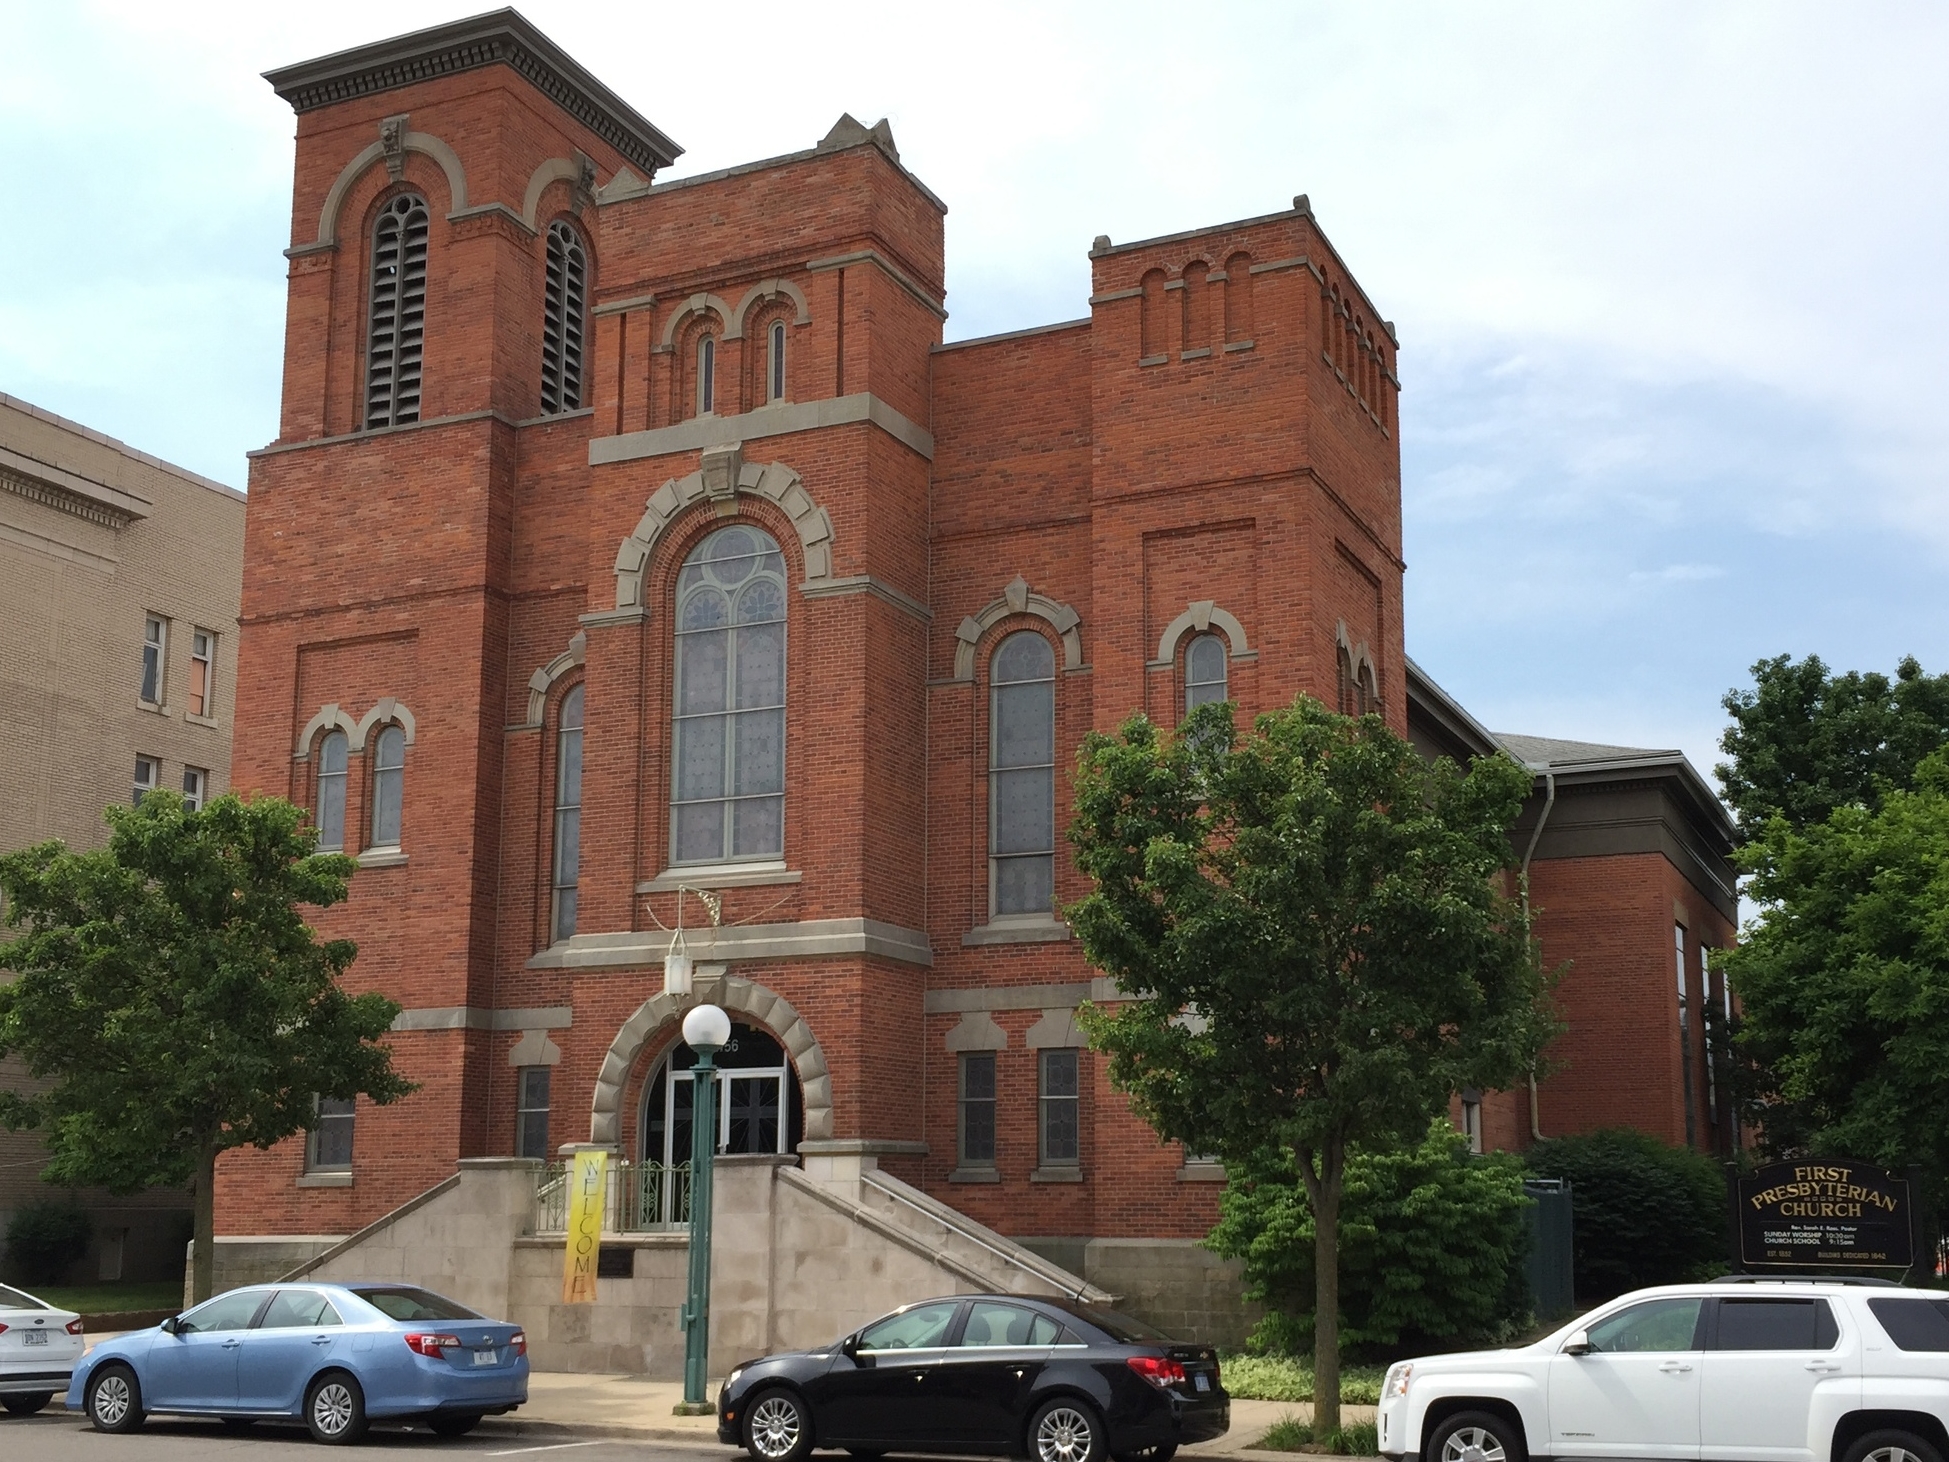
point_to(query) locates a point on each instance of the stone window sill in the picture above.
(210, 721)
(1017, 930)
(1198, 354)
(722, 875)
(1153, 360)
(325, 1180)
(974, 1175)
(154, 708)
(381, 858)
(1239, 345)
(1057, 1175)
(1202, 1172)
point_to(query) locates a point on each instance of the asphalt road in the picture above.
(58, 1436)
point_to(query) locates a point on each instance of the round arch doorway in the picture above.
(759, 1105)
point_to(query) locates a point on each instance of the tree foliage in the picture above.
(1432, 1241)
(46, 1239)
(174, 999)
(1804, 741)
(1309, 926)
(1843, 979)
(1644, 1213)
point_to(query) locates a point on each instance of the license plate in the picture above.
(485, 1357)
(33, 1337)
(1201, 1381)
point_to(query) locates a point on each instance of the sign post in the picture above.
(1825, 1214)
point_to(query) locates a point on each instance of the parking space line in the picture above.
(552, 1447)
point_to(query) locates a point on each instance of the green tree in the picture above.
(1313, 941)
(1431, 1245)
(1804, 741)
(175, 1002)
(1843, 980)
(1645, 1213)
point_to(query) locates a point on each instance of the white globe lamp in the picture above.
(707, 1028)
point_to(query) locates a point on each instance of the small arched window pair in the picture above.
(563, 320)
(388, 789)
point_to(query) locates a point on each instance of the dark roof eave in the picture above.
(1664, 767)
(497, 37)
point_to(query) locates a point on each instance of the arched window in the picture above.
(568, 812)
(331, 792)
(562, 320)
(1022, 775)
(728, 789)
(775, 374)
(1346, 697)
(396, 322)
(1204, 671)
(388, 786)
(706, 374)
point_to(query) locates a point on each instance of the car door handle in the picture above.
(1822, 1365)
(321, 1340)
(231, 1344)
(1673, 1367)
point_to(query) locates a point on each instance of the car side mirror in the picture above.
(849, 1347)
(168, 1326)
(1578, 1344)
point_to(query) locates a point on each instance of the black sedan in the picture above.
(1011, 1375)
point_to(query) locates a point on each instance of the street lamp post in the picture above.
(706, 1030)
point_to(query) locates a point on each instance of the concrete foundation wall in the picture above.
(631, 1329)
(1178, 1285)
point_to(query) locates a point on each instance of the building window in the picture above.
(562, 321)
(776, 372)
(1205, 672)
(1705, 1028)
(388, 786)
(1472, 1118)
(396, 321)
(1685, 1040)
(330, 1147)
(202, 673)
(331, 792)
(1060, 1100)
(1022, 775)
(148, 777)
(729, 784)
(531, 1113)
(155, 644)
(568, 813)
(977, 1109)
(196, 788)
(706, 374)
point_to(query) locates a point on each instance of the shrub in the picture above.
(1290, 1434)
(1290, 1378)
(45, 1239)
(1645, 1213)
(1431, 1247)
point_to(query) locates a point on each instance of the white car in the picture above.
(39, 1346)
(1739, 1370)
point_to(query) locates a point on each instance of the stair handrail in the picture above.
(1043, 1270)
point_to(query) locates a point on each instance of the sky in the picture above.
(1668, 278)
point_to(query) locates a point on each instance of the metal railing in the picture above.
(639, 1198)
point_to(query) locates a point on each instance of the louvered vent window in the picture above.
(561, 328)
(398, 322)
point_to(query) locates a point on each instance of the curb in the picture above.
(518, 1425)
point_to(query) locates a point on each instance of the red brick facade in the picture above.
(1213, 448)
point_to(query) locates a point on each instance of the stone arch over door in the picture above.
(758, 1006)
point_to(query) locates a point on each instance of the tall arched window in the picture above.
(331, 792)
(1022, 775)
(728, 799)
(706, 374)
(775, 375)
(1204, 672)
(562, 320)
(396, 321)
(568, 812)
(388, 786)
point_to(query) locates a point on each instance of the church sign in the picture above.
(1825, 1215)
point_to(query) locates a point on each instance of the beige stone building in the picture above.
(120, 579)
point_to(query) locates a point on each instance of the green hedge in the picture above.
(1645, 1213)
(45, 1239)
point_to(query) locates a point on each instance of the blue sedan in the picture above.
(337, 1356)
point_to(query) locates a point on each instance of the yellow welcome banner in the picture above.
(584, 1227)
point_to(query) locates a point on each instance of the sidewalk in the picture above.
(629, 1407)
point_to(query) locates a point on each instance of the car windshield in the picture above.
(1121, 1327)
(13, 1299)
(406, 1303)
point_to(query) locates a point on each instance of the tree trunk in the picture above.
(203, 1264)
(1323, 1191)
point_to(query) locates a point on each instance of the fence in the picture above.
(1550, 1263)
(639, 1198)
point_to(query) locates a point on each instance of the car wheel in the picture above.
(1892, 1447)
(335, 1409)
(1162, 1452)
(1066, 1430)
(114, 1400)
(1477, 1436)
(454, 1426)
(26, 1405)
(777, 1428)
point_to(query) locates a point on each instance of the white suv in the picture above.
(1800, 1370)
